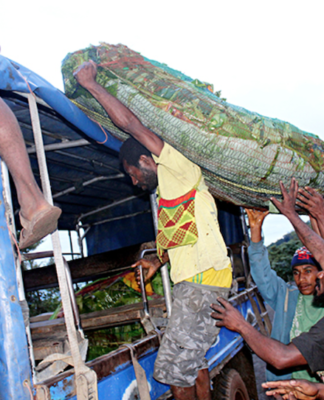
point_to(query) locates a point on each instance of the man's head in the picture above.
(139, 164)
(305, 269)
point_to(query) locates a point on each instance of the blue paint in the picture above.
(14, 359)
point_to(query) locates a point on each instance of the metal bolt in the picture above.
(13, 298)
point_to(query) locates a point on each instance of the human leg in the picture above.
(203, 385)
(200, 391)
(36, 212)
(191, 331)
(184, 393)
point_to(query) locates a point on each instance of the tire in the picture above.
(230, 386)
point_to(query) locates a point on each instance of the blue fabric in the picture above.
(14, 77)
(119, 234)
(274, 290)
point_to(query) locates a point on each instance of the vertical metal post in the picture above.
(80, 238)
(164, 268)
(244, 227)
(71, 245)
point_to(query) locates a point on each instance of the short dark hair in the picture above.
(131, 151)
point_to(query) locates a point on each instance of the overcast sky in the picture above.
(266, 56)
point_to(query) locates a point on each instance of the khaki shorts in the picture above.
(190, 333)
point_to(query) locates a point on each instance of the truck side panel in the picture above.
(14, 359)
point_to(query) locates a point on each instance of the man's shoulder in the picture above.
(319, 326)
(315, 332)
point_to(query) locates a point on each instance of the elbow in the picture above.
(128, 124)
(281, 363)
(123, 122)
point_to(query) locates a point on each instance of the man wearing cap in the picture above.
(294, 312)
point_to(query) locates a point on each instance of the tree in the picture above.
(40, 301)
(281, 254)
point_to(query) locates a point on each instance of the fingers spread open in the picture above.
(217, 307)
(223, 302)
(217, 315)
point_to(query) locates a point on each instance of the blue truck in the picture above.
(76, 160)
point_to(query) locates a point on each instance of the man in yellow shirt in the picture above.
(188, 236)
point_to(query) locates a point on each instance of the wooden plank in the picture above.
(84, 269)
(98, 319)
(45, 346)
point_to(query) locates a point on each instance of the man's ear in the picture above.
(145, 159)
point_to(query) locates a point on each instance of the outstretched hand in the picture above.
(312, 201)
(293, 389)
(227, 315)
(287, 205)
(86, 73)
(256, 219)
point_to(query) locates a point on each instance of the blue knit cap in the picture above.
(303, 256)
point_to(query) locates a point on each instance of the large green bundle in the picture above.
(243, 155)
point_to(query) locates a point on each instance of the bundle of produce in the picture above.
(105, 293)
(243, 155)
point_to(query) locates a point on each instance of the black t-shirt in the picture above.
(311, 346)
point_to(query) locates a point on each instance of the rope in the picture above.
(27, 385)
(15, 242)
(102, 131)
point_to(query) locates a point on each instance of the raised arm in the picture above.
(118, 113)
(279, 355)
(307, 236)
(269, 284)
(256, 219)
(313, 203)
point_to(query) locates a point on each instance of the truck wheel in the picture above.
(230, 387)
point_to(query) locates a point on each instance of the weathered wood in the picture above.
(95, 320)
(84, 269)
(43, 347)
(41, 317)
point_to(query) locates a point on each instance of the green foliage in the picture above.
(157, 283)
(281, 254)
(42, 301)
(115, 295)
(218, 93)
(105, 340)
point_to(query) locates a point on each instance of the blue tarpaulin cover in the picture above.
(73, 167)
